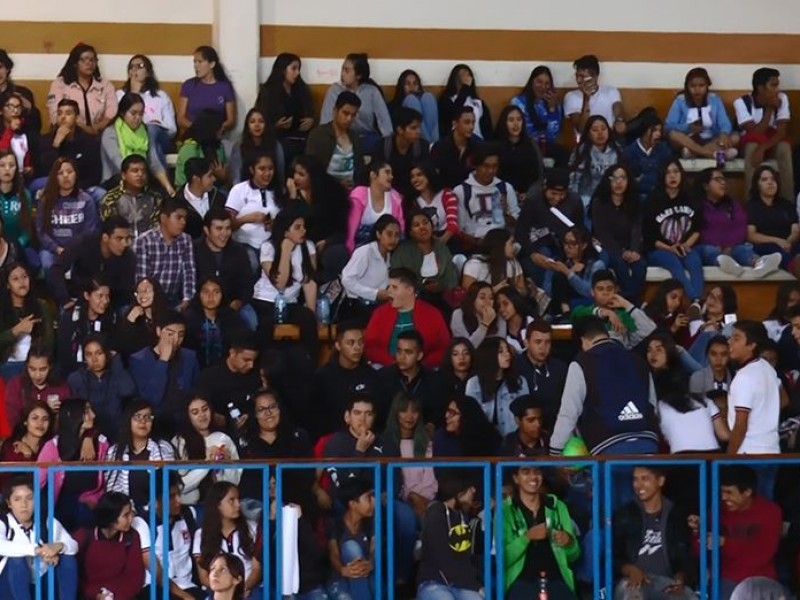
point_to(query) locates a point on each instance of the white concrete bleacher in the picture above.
(717, 275)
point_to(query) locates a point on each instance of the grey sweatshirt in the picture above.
(373, 109)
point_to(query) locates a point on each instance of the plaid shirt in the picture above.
(172, 265)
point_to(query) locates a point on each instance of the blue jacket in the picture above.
(551, 119)
(678, 116)
(152, 377)
(646, 167)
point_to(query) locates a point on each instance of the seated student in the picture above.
(209, 90)
(691, 425)
(404, 312)
(457, 366)
(133, 199)
(15, 205)
(542, 113)
(403, 148)
(466, 431)
(200, 194)
(461, 92)
(409, 94)
(137, 328)
(165, 253)
(28, 436)
(572, 281)
(520, 158)
(201, 140)
(107, 254)
(226, 577)
(645, 155)
(763, 116)
(593, 155)
(476, 319)
(256, 137)
(447, 570)
(697, 123)
(18, 137)
(668, 368)
(126, 136)
(592, 99)
(538, 537)
(435, 200)
(225, 526)
(336, 145)
(717, 375)
(518, 313)
(626, 323)
(66, 215)
(56, 549)
(79, 76)
(29, 109)
(110, 553)
(407, 375)
(484, 201)
(370, 202)
(787, 296)
(210, 324)
(529, 439)
(747, 522)
(453, 153)
(351, 542)
(495, 264)
(651, 542)
(38, 383)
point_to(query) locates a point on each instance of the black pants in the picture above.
(296, 314)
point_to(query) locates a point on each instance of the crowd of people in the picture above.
(138, 309)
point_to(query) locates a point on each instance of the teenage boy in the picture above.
(453, 154)
(132, 199)
(626, 323)
(70, 141)
(591, 98)
(716, 376)
(335, 145)
(401, 313)
(651, 542)
(484, 201)
(165, 254)
(403, 149)
(529, 439)
(200, 194)
(763, 115)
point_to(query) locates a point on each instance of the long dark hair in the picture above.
(660, 192)
(454, 87)
(278, 73)
(37, 350)
(150, 83)
(127, 101)
(602, 193)
(124, 435)
(584, 240)
(695, 73)
(285, 426)
(657, 306)
(204, 130)
(530, 99)
(486, 367)
(501, 129)
(468, 307)
(360, 61)
(477, 436)
(194, 442)
(522, 306)
(51, 192)
(582, 159)
(382, 223)
(69, 72)
(671, 382)
(753, 194)
(280, 226)
(782, 296)
(248, 143)
(21, 192)
(210, 54)
(272, 91)
(493, 254)
(211, 537)
(70, 421)
(30, 305)
(447, 362)
(400, 403)
(20, 428)
(160, 302)
(400, 89)
(235, 568)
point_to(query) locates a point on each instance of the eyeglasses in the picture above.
(140, 418)
(136, 66)
(618, 178)
(268, 410)
(452, 413)
(13, 106)
(88, 59)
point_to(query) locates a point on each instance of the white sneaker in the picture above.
(729, 266)
(731, 153)
(767, 264)
(686, 153)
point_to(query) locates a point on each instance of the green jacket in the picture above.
(515, 540)
(408, 255)
(191, 149)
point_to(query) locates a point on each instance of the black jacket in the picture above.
(194, 222)
(233, 269)
(332, 386)
(453, 167)
(538, 227)
(426, 387)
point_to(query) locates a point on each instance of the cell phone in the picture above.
(729, 319)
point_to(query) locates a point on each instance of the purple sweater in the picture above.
(74, 217)
(724, 223)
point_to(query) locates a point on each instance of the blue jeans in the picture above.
(315, 594)
(16, 582)
(160, 139)
(47, 259)
(786, 257)
(543, 277)
(248, 314)
(677, 267)
(742, 254)
(427, 107)
(630, 276)
(358, 589)
(405, 538)
(433, 590)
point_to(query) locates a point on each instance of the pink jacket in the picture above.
(49, 454)
(358, 204)
(101, 98)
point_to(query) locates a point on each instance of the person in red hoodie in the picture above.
(405, 312)
(749, 530)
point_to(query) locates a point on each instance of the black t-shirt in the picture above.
(539, 555)
(224, 386)
(775, 220)
(652, 557)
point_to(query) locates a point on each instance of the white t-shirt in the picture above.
(600, 103)
(157, 109)
(264, 288)
(477, 109)
(199, 204)
(244, 199)
(756, 113)
(476, 268)
(435, 210)
(755, 388)
(693, 430)
(180, 556)
(230, 545)
(142, 527)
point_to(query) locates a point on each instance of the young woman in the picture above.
(38, 383)
(17, 136)
(137, 330)
(76, 440)
(719, 305)
(24, 320)
(515, 310)
(15, 205)
(257, 136)
(285, 101)
(201, 441)
(366, 275)
(7, 85)
(105, 383)
(210, 89)
(409, 93)
(520, 159)
(542, 113)
(592, 157)
(456, 368)
(226, 577)
(29, 435)
(476, 318)
(671, 227)
(135, 443)
(459, 91)
(617, 225)
(128, 135)
(668, 308)
(666, 367)
(572, 280)
(435, 200)
(202, 140)
(787, 296)
(288, 265)
(159, 112)
(369, 202)
(226, 528)
(210, 322)
(80, 80)
(467, 431)
(66, 215)
(496, 383)
(496, 264)
(645, 154)
(372, 121)
(697, 122)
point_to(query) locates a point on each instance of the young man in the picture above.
(716, 376)
(609, 395)
(335, 146)
(407, 375)
(484, 201)
(402, 149)
(763, 116)
(591, 98)
(754, 402)
(749, 530)
(132, 199)
(402, 313)
(537, 537)
(165, 254)
(200, 194)
(651, 542)
(544, 373)
(529, 439)
(108, 255)
(626, 323)
(453, 154)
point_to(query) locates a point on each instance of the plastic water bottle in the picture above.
(234, 412)
(497, 209)
(543, 593)
(720, 157)
(324, 310)
(280, 308)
